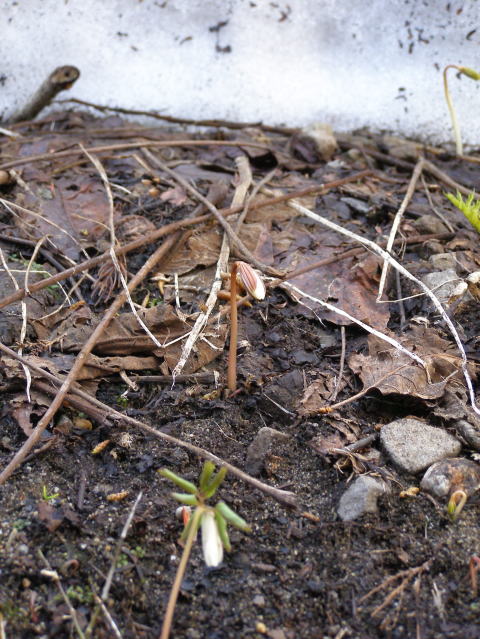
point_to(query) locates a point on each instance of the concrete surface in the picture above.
(352, 64)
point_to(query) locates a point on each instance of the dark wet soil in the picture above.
(302, 573)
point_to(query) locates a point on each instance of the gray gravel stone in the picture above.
(442, 284)
(360, 498)
(413, 445)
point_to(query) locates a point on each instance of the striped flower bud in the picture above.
(250, 281)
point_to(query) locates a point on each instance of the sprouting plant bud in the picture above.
(470, 73)
(100, 447)
(250, 280)
(118, 496)
(211, 542)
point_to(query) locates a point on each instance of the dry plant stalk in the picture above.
(254, 286)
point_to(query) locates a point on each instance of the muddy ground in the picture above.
(402, 572)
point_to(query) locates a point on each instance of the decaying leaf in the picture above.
(316, 395)
(351, 286)
(391, 371)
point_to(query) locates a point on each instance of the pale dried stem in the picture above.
(23, 330)
(369, 329)
(56, 578)
(182, 566)
(118, 547)
(396, 222)
(222, 267)
(232, 236)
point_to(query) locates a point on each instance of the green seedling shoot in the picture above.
(455, 505)
(469, 207)
(46, 496)
(213, 521)
(473, 75)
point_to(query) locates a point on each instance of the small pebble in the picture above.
(448, 475)
(259, 600)
(360, 497)
(414, 445)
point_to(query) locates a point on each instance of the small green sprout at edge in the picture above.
(213, 521)
(468, 207)
(455, 505)
(473, 75)
(46, 496)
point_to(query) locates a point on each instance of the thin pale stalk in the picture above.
(172, 601)
(232, 353)
(396, 222)
(453, 114)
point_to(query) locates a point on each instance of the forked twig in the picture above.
(396, 222)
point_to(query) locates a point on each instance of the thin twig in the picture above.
(53, 574)
(227, 124)
(23, 330)
(126, 146)
(182, 566)
(342, 365)
(396, 222)
(118, 548)
(369, 329)
(87, 348)
(108, 617)
(434, 208)
(283, 496)
(232, 236)
(221, 267)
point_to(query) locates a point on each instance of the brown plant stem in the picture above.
(232, 351)
(125, 146)
(87, 348)
(192, 533)
(227, 124)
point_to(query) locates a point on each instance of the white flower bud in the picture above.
(211, 543)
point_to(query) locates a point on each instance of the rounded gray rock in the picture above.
(360, 498)
(413, 445)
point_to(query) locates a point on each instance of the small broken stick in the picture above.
(59, 80)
